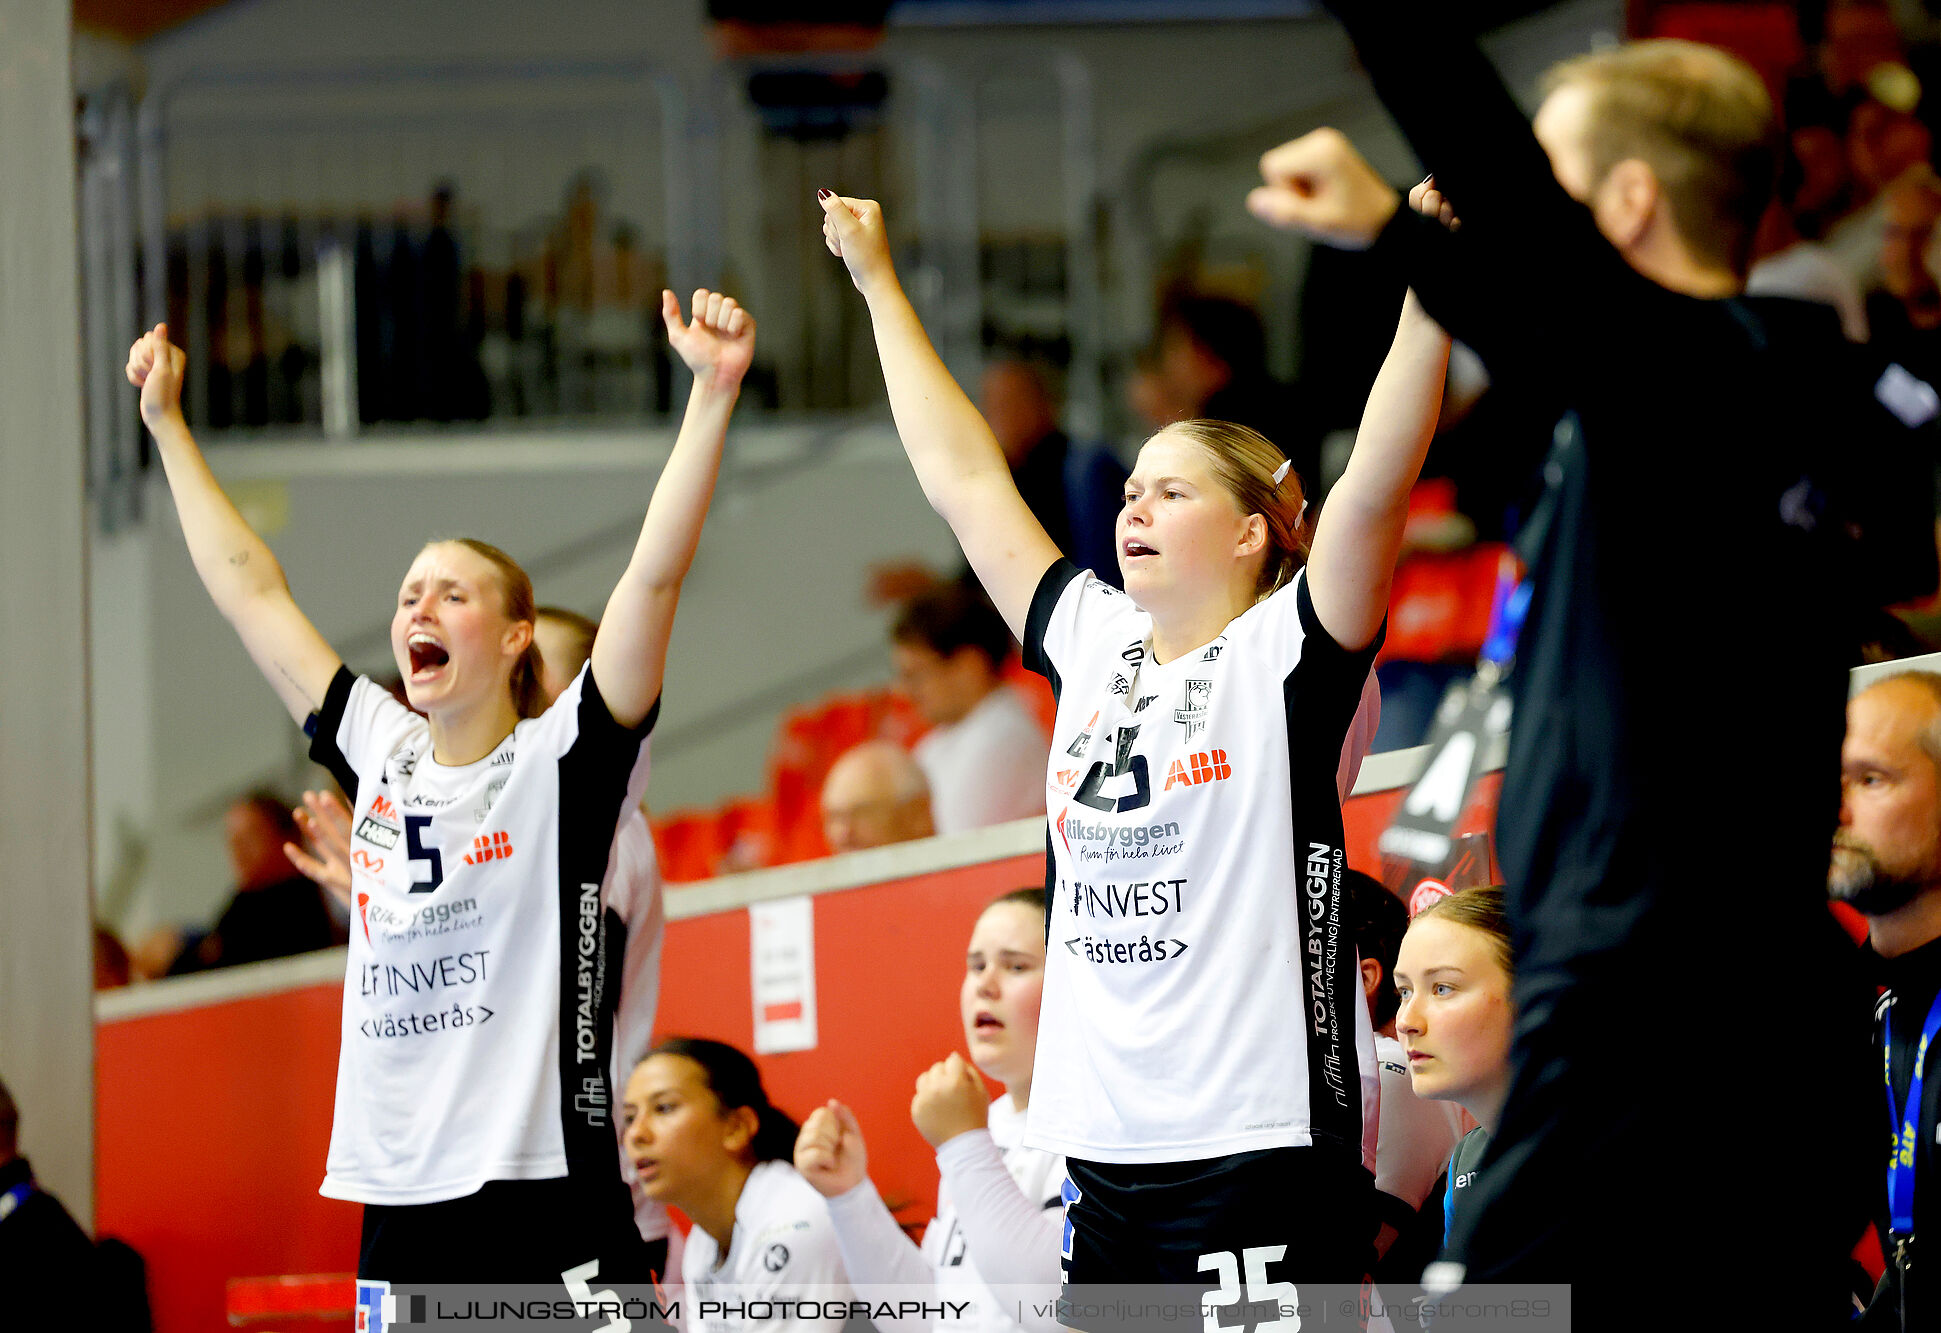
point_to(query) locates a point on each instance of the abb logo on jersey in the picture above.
(1207, 766)
(492, 847)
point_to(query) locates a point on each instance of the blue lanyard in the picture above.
(1508, 607)
(1449, 1197)
(14, 1197)
(1900, 1166)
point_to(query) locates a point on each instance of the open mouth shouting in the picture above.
(428, 656)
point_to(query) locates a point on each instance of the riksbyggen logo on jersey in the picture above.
(1095, 840)
(420, 923)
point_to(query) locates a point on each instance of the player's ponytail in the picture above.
(1258, 477)
(736, 1083)
(516, 588)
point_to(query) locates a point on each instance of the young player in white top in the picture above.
(705, 1139)
(632, 892)
(474, 1107)
(1199, 1062)
(998, 1218)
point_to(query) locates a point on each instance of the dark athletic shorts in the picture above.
(525, 1231)
(1283, 1215)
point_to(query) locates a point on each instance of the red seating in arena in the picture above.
(784, 824)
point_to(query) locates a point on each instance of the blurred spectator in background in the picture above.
(1075, 490)
(1905, 313)
(1814, 192)
(1210, 360)
(1887, 864)
(42, 1248)
(275, 911)
(984, 755)
(111, 968)
(874, 795)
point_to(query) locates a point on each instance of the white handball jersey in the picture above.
(633, 894)
(1009, 1214)
(478, 1002)
(783, 1245)
(1201, 988)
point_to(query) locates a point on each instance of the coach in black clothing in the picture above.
(1887, 863)
(1698, 494)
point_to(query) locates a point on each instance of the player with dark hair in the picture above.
(984, 755)
(705, 1139)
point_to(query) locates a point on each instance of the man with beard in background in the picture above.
(1887, 865)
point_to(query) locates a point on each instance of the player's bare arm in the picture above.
(236, 566)
(956, 458)
(630, 653)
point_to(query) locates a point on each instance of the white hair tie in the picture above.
(1280, 473)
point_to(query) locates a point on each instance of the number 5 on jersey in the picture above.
(1123, 761)
(414, 827)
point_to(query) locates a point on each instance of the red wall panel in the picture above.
(213, 1122)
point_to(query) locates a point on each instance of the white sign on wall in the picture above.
(781, 942)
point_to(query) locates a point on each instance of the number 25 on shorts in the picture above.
(1259, 1291)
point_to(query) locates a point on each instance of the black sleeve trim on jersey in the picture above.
(593, 777)
(1043, 602)
(597, 719)
(1051, 886)
(327, 720)
(1317, 636)
(1320, 696)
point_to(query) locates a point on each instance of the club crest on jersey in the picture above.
(1192, 715)
(492, 790)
